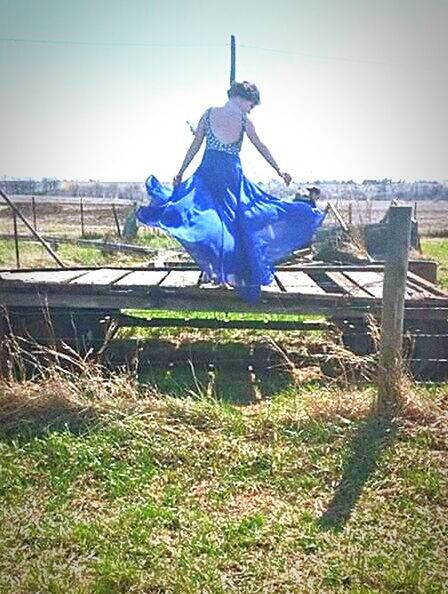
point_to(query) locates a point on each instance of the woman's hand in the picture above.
(177, 179)
(285, 177)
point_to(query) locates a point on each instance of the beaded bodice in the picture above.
(213, 143)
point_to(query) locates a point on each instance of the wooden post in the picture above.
(31, 228)
(394, 292)
(340, 220)
(16, 238)
(232, 58)
(81, 212)
(33, 206)
(117, 223)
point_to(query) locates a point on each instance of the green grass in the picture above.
(307, 493)
(34, 255)
(437, 249)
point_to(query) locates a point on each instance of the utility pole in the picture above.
(232, 58)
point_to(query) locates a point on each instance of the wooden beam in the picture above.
(334, 210)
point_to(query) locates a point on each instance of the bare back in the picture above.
(226, 124)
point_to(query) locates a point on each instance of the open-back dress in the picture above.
(233, 229)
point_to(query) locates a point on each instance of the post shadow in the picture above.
(372, 438)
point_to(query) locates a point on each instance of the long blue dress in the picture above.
(234, 230)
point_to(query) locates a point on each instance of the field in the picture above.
(62, 218)
(167, 482)
(108, 487)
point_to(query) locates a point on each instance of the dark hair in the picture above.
(245, 90)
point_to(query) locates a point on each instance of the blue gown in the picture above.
(233, 229)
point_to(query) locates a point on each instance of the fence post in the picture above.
(117, 222)
(31, 228)
(16, 238)
(81, 212)
(394, 292)
(33, 206)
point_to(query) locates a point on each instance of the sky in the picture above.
(102, 89)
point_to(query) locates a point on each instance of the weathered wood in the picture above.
(372, 282)
(348, 285)
(394, 292)
(299, 282)
(181, 279)
(33, 206)
(340, 220)
(31, 228)
(40, 276)
(142, 278)
(102, 276)
(81, 212)
(202, 300)
(274, 287)
(16, 238)
(117, 222)
(425, 284)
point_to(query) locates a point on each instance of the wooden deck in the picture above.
(336, 291)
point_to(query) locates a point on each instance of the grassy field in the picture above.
(34, 255)
(111, 486)
(437, 249)
(107, 487)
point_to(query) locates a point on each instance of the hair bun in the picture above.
(245, 90)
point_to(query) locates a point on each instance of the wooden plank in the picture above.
(42, 276)
(299, 282)
(181, 278)
(348, 285)
(142, 278)
(101, 276)
(272, 288)
(415, 291)
(421, 282)
(371, 282)
(211, 300)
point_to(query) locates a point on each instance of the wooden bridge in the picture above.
(335, 291)
(78, 300)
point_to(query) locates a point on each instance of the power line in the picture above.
(314, 56)
(107, 43)
(197, 45)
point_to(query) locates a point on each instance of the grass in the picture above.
(107, 487)
(33, 255)
(437, 249)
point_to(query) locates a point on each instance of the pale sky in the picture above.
(101, 89)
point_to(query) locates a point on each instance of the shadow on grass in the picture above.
(230, 371)
(372, 438)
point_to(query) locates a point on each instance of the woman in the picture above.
(234, 230)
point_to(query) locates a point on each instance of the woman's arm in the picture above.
(263, 149)
(193, 149)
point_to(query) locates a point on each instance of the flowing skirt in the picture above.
(234, 230)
